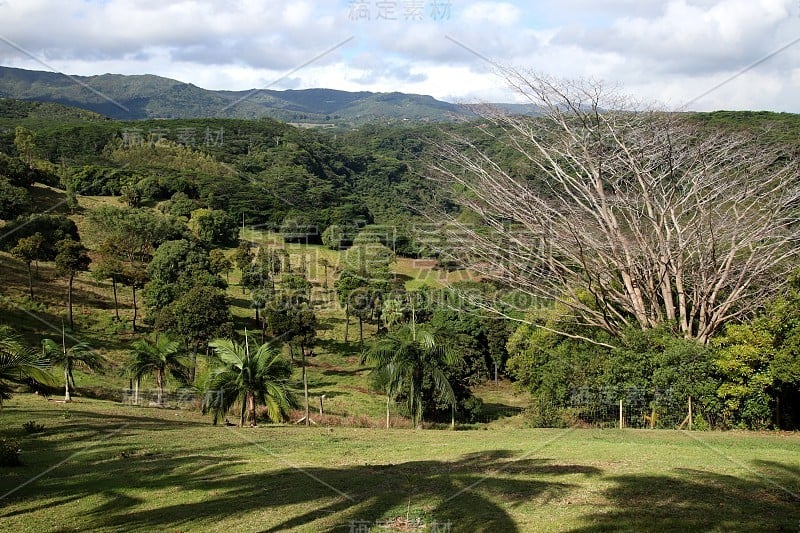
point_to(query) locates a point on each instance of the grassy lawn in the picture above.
(103, 466)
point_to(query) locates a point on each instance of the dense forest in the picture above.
(166, 210)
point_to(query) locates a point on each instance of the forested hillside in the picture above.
(319, 242)
(260, 172)
(147, 96)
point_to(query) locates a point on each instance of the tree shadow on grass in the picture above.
(136, 490)
(369, 493)
(338, 347)
(764, 499)
(106, 476)
(495, 411)
(353, 372)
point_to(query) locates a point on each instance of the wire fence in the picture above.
(627, 408)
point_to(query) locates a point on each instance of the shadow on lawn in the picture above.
(696, 500)
(117, 478)
(148, 486)
(334, 346)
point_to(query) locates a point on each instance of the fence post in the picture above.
(690, 413)
(621, 420)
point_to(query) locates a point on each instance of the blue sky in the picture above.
(715, 54)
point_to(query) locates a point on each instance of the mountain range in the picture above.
(135, 97)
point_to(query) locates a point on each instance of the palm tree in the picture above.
(409, 354)
(19, 365)
(160, 357)
(79, 355)
(325, 263)
(248, 377)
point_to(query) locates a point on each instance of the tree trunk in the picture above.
(69, 302)
(388, 399)
(253, 408)
(30, 280)
(193, 367)
(67, 397)
(325, 283)
(346, 321)
(135, 310)
(263, 329)
(116, 303)
(495, 372)
(305, 382)
(160, 388)
(136, 392)
(361, 332)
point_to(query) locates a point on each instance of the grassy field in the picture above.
(103, 466)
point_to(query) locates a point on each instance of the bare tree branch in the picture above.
(625, 216)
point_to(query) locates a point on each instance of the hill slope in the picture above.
(147, 96)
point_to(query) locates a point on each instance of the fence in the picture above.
(180, 399)
(628, 408)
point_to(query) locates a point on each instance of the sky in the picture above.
(678, 54)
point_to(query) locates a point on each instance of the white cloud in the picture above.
(669, 51)
(491, 13)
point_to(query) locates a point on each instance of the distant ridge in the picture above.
(135, 97)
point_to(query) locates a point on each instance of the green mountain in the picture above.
(146, 96)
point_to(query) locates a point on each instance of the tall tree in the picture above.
(131, 236)
(134, 275)
(159, 357)
(364, 304)
(109, 266)
(219, 263)
(29, 249)
(250, 377)
(626, 216)
(294, 322)
(71, 259)
(213, 226)
(79, 355)
(198, 315)
(24, 142)
(407, 355)
(335, 237)
(347, 283)
(325, 263)
(243, 257)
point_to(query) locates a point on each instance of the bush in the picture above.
(543, 414)
(9, 452)
(699, 423)
(471, 409)
(31, 426)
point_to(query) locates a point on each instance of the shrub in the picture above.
(543, 414)
(471, 409)
(9, 452)
(31, 426)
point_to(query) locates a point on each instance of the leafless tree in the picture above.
(628, 216)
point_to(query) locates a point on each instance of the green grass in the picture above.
(107, 467)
